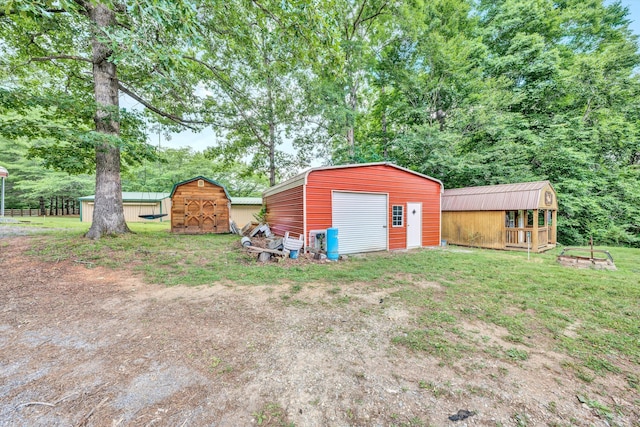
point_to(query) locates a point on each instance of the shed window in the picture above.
(541, 216)
(397, 215)
(510, 219)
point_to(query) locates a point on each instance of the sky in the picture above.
(206, 138)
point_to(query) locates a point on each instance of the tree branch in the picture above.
(217, 73)
(231, 90)
(176, 119)
(53, 57)
(266, 11)
(375, 14)
(356, 22)
(4, 13)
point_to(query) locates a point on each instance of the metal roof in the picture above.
(302, 177)
(524, 195)
(3, 172)
(134, 196)
(246, 200)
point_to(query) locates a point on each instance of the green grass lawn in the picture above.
(535, 301)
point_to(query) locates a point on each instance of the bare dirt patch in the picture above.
(90, 346)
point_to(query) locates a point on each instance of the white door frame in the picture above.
(416, 223)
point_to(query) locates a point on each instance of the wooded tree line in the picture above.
(30, 181)
(472, 92)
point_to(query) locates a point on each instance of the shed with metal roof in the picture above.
(374, 206)
(136, 204)
(141, 204)
(200, 205)
(516, 216)
(243, 209)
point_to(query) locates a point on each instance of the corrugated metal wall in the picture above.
(285, 211)
(242, 214)
(402, 187)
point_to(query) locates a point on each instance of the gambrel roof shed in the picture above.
(200, 205)
(520, 216)
(502, 197)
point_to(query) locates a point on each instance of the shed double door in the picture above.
(205, 216)
(361, 220)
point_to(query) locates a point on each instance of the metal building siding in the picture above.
(400, 185)
(242, 214)
(285, 211)
(133, 210)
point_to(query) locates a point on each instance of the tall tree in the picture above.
(252, 82)
(357, 28)
(570, 67)
(82, 48)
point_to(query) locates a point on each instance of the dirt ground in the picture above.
(95, 347)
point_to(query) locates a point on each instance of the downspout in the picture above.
(80, 209)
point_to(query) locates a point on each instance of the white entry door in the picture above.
(361, 220)
(414, 225)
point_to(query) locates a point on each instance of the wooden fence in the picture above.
(56, 206)
(37, 212)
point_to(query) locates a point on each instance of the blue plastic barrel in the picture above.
(293, 254)
(332, 243)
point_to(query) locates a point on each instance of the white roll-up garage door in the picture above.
(361, 220)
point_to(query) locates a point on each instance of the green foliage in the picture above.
(29, 179)
(510, 91)
(170, 166)
(471, 92)
(253, 82)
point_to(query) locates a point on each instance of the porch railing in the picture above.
(520, 237)
(543, 237)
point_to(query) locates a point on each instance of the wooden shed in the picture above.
(374, 206)
(135, 204)
(200, 205)
(509, 216)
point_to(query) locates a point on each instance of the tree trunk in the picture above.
(108, 212)
(272, 127)
(272, 155)
(383, 123)
(352, 103)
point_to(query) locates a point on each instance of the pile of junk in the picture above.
(260, 240)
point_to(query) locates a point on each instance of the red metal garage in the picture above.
(375, 206)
